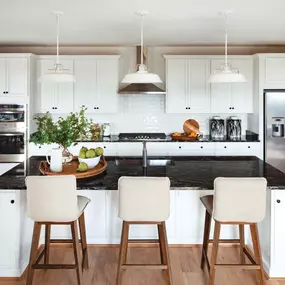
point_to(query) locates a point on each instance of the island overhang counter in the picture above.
(191, 178)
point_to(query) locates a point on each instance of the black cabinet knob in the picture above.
(248, 146)
(278, 201)
(180, 147)
(201, 147)
(233, 108)
(12, 201)
(225, 147)
(7, 92)
(40, 147)
(104, 146)
(4, 92)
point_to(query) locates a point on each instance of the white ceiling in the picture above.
(113, 22)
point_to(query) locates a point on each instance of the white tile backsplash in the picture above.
(146, 113)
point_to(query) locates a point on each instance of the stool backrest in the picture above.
(239, 199)
(144, 198)
(52, 198)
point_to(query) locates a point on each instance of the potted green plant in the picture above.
(64, 132)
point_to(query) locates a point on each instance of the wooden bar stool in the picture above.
(236, 201)
(52, 200)
(144, 201)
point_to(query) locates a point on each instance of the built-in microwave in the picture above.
(12, 133)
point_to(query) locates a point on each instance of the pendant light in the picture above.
(141, 75)
(226, 74)
(58, 73)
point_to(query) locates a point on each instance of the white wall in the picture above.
(145, 113)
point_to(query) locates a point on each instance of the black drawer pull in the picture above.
(104, 146)
(278, 201)
(12, 201)
(180, 147)
(248, 146)
(201, 147)
(225, 147)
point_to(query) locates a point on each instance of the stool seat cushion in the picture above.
(144, 199)
(239, 199)
(82, 202)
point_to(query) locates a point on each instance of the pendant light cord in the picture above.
(226, 40)
(57, 39)
(142, 18)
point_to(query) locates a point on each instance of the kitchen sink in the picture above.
(150, 162)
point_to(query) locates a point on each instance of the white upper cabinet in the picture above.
(273, 70)
(107, 85)
(95, 87)
(188, 90)
(233, 97)
(187, 85)
(85, 72)
(55, 97)
(14, 76)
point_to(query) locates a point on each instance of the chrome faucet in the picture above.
(144, 155)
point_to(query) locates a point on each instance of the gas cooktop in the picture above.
(142, 136)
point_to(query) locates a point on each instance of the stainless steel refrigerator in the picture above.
(274, 115)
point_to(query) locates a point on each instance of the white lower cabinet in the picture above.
(238, 149)
(9, 233)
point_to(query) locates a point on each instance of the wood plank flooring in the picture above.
(185, 264)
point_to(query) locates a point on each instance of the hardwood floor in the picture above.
(185, 264)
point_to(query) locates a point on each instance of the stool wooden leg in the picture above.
(241, 238)
(214, 252)
(160, 244)
(165, 252)
(47, 243)
(82, 228)
(207, 228)
(123, 251)
(75, 240)
(33, 254)
(257, 251)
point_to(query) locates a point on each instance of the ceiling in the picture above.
(169, 22)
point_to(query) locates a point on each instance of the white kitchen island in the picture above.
(184, 227)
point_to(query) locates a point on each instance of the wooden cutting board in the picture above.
(191, 126)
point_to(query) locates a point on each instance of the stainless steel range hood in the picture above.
(141, 88)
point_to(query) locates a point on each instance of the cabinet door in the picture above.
(114, 223)
(220, 92)
(95, 216)
(9, 234)
(176, 81)
(198, 86)
(275, 71)
(277, 233)
(85, 87)
(242, 93)
(64, 92)
(107, 85)
(17, 76)
(46, 90)
(3, 83)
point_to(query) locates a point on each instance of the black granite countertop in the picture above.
(206, 138)
(184, 172)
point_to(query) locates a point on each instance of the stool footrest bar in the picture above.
(55, 266)
(144, 266)
(226, 241)
(143, 241)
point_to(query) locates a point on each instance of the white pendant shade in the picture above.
(141, 76)
(226, 75)
(58, 73)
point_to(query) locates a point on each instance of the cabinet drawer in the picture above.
(192, 149)
(129, 149)
(40, 150)
(224, 149)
